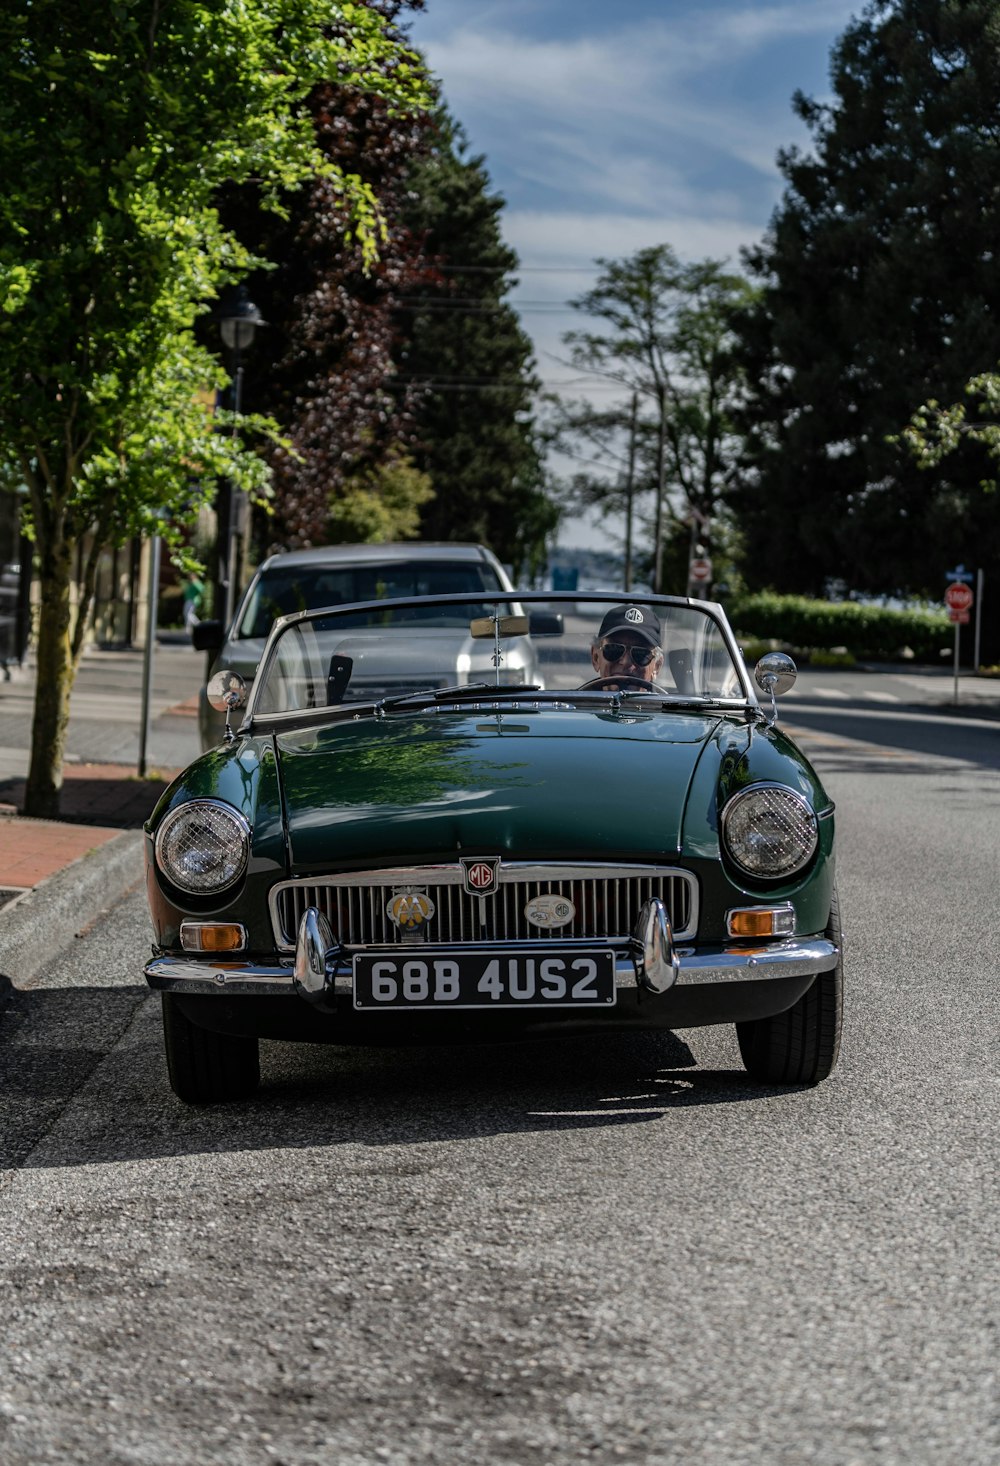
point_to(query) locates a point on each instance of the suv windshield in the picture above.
(669, 649)
(287, 590)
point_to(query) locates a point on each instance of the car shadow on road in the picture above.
(83, 1081)
(902, 738)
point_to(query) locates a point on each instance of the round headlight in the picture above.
(769, 831)
(202, 847)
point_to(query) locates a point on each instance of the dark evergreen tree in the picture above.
(881, 291)
(464, 349)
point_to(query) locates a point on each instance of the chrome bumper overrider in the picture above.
(322, 969)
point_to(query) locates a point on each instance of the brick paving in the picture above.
(102, 793)
(98, 800)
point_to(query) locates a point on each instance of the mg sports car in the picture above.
(628, 841)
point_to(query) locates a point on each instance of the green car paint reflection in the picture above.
(465, 784)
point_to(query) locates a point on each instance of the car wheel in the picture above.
(801, 1045)
(207, 1068)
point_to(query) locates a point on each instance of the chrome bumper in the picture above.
(321, 970)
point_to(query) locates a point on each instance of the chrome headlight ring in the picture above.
(202, 847)
(769, 831)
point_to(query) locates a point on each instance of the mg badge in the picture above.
(409, 909)
(482, 877)
(549, 911)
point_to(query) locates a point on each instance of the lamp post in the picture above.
(238, 320)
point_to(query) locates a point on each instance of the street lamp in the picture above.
(238, 320)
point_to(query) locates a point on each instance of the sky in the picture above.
(611, 125)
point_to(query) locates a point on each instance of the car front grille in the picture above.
(606, 901)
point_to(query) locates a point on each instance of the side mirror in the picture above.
(775, 673)
(207, 636)
(545, 623)
(226, 691)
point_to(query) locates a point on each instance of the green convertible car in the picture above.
(448, 819)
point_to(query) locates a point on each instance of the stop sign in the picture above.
(958, 596)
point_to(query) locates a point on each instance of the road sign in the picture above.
(700, 571)
(961, 618)
(958, 596)
(959, 573)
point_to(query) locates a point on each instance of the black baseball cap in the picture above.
(640, 619)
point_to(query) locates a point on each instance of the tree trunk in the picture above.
(56, 673)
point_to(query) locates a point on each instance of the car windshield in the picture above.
(285, 590)
(655, 650)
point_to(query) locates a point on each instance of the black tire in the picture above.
(207, 1068)
(801, 1045)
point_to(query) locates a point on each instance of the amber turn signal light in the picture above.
(761, 921)
(213, 936)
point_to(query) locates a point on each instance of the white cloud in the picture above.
(583, 112)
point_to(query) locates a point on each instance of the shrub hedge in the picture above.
(871, 633)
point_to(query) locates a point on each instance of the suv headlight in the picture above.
(769, 831)
(202, 847)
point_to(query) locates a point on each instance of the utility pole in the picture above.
(630, 489)
(661, 490)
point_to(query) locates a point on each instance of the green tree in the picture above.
(935, 431)
(325, 367)
(666, 340)
(383, 502)
(463, 345)
(119, 122)
(880, 292)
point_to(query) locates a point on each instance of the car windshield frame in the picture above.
(513, 603)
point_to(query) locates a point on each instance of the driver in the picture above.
(628, 644)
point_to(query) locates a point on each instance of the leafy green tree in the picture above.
(462, 345)
(666, 339)
(934, 431)
(119, 122)
(879, 292)
(381, 503)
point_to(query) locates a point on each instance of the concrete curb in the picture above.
(39, 925)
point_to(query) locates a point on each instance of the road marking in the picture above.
(837, 694)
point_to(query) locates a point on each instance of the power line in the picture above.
(491, 384)
(517, 269)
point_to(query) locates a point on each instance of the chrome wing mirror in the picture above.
(774, 674)
(226, 691)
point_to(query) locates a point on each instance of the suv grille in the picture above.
(607, 901)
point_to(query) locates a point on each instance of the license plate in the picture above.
(434, 981)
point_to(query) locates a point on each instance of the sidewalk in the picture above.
(98, 801)
(102, 794)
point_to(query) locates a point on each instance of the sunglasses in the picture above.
(614, 651)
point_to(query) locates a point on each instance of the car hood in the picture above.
(575, 785)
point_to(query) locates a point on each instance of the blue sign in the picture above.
(960, 573)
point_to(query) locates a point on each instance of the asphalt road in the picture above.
(598, 1252)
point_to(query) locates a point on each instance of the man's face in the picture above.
(615, 656)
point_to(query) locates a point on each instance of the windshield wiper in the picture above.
(474, 691)
(686, 702)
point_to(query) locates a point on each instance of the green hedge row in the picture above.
(868, 632)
